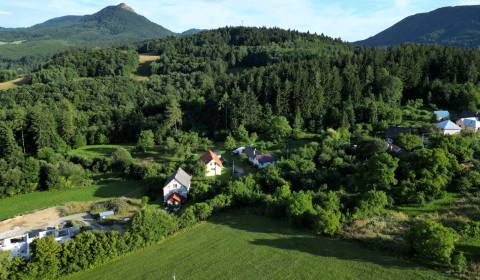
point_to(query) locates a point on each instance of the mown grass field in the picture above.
(243, 246)
(20, 204)
(13, 83)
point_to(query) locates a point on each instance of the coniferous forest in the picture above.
(323, 105)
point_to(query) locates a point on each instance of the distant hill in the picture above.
(112, 25)
(192, 31)
(452, 26)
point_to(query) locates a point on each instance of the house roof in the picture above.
(265, 158)
(442, 114)
(468, 114)
(395, 131)
(471, 122)
(250, 152)
(448, 125)
(182, 177)
(175, 197)
(209, 156)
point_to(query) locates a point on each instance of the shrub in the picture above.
(326, 222)
(432, 241)
(152, 225)
(459, 262)
(371, 204)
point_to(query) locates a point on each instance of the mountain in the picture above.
(452, 26)
(192, 31)
(112, 25)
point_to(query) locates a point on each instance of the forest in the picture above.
(254, 85)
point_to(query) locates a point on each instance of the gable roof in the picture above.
(471, 122)
(209, 156)
(250, 152)
(468, 114)
(448, 125)
(442, 114)
(182, 177)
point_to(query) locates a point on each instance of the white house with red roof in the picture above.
(177, 187)
(213, 164)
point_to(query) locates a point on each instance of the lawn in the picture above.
(14, 83)
(433, 206)
(20, 204)
(242, 246)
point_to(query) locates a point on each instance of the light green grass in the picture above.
(98, 150)
(242, 246)
(21, 204)
(433, 206)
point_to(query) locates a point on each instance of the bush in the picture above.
(432, 241)
(121, 159)
(459, 262)
(326, 222)
(151, 225)
(371, 204)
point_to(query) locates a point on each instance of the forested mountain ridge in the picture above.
(113, 25)
(452, 26)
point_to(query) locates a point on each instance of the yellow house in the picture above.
(213, 164)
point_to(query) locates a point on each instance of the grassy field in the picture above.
(20, 204)
(431, 207)
(242, 246)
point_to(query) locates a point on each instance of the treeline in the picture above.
(7, 75)
(217, 81)
(87, 63)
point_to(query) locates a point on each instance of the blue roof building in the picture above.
(441, 115)
(449, 127)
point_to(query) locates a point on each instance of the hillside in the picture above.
(234, 246)
(452, 26)
(110, 26)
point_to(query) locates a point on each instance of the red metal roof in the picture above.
(209, 156)
(175, 197)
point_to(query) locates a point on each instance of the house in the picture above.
(470, 124)
(449, 127)
(213, 164)
(441, 115)
(258, 159)
(179, 183)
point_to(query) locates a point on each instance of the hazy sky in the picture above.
(349, 19)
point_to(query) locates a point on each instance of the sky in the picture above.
(350, 20)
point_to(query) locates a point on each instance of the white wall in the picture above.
(174, 187)
(213, 169)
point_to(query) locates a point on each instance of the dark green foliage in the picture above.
(459, 262)
(152, 225)
(378, 173)
(370, 204)
(432, 242)
(7, 75)
(146, 140)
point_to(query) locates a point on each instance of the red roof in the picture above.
(175, 197)
(209, 156)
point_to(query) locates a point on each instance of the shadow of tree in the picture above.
(285, 237)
